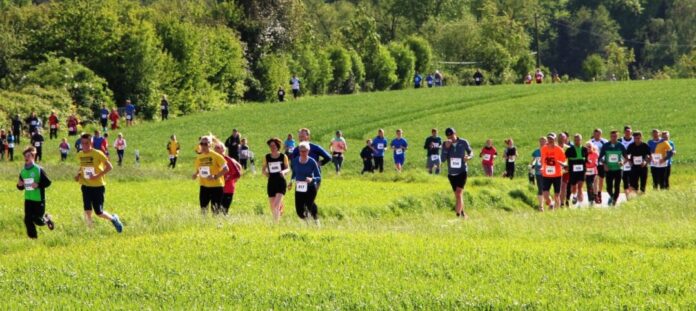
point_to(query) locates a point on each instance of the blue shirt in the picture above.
(300, 171)
(130, 109)
(399, 143)
(376, 142)
(417, 80)
(671, 153)
(289, 143)
(103, 114)
(537, 164)
(315, 152)
(458, 151)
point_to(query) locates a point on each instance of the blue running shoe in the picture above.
(117, 223)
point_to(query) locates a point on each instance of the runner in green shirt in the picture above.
(33, 181)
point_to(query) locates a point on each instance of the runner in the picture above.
(661, 152)
(34, 181)
(577, 156)
(105, 145)
(72, 125)
(306, 173)
(338, 149)
(211, 168)
(104, 118)
(528, 78)
(316, 152)
(231, 177)
(670, 156)
(114, 117)
(64, 148)
(11, 137)
(281, 94)
(539, 76)
(17, 128)
(417, 80)
(295, 85)
(130, 112)
(457, 152)
(626, 140)
(488, 154)
(430, 80)
(93, 169)
(53, 125)
(478, 77)
(399, 145)
(275, 166)
(3, 144)
(379, 143)
(164, 108)
(613, 155)
(553, 160)
(244, 153)
(433, 144)
(563, 142)
(599, 142)
(78, 143)
(37, 140)
(366, 156)
(591, 172)
(539, 181)
(120, 146)
(510, 156)
(173, 148)
(639, 154)
(232, 144)
(438, 78)
(289, 146)
(33, 122)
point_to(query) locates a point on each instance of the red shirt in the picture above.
(53, 120)
(114, 116)
(551, 159)
(488, 154)
(231, 176)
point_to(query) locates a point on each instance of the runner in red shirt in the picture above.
(53, 125)
(231, 177)
(72, 125)
(488, 155)
(113, 116)
(553, 160)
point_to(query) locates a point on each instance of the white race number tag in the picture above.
(456, 162)
(627, 166)
(486, 157)
(88, 172)
(380, 146)
(10, 145)
(274, 167)
(72, 129)
(613, 158)
(577, 168)
(37, 144)
(399, 151)
(128, 117)
(301, 186)
(550, 170)
(511, 158)
(53, 126)
(637, 160)
(28, 183)
(591, 171)
(436, 145)
(103, 116)
(204, 171)
(434, 157)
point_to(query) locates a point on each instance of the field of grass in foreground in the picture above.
(386, 242)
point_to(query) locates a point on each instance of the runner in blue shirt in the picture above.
(379, 144)
(399, 145)
(430, 80)
(130, 112)
(417, 80)
(103, 118)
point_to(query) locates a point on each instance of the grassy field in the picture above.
(387, 241)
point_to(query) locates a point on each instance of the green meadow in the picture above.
(386, 241)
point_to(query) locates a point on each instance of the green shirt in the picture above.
(31, 176)
(612, 155)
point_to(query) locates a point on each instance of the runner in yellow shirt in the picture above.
(173, 150)
(211, 168)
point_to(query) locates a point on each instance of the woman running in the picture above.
(488, 155)
(306, 173)
(510, 156)
(338, 148)
(275, 167)
(231, 177)
(591, 171)
(120, 146)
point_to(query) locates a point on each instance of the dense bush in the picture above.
(405, 65)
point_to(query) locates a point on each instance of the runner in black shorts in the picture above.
(577, 157)
(599, 142)
(457, 152)
(275, 167)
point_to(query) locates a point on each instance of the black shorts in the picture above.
(93, 199)
(457, 181)
(600, 171)
(276, 185)
(552, 181)
(210, 195)
(576, 177)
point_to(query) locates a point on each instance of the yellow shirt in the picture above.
(208, 164)
(661, 150)
(173, 147)
(92, 163)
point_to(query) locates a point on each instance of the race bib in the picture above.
(88, 172)
(291, 149)
(274, 167)
(37, 144)
(33, 123)
(656, 157)
(164, 107)
(550, 170)
(128, 117)
(301, 186)
(627, 166)
(399, 151)
(28, 183)
(245, 153)
(486, 157)
(637, 160)
(456, 162)
(434, 157)
(72, 129)
(171, 157)
(380, 146)
(104, 116)
(53, 126)
(10, 145)
(436, 145)
(577, 168)
(613, 158)
(63, 150)
(511, 158)
(591, 171)
(204, 171)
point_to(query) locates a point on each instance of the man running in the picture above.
(379, 144)
(591, 172)
(34, 181)
(639, 154)
(37, 140)
(417, 80)
(130, 112)
(626, 140)
(599, 142)
(53, 122)
(613, 155)
(211, 168)
(72, 125)
(289, 146)
(457, 152)
(93, 169)
(478, 77)
(104, 118)
(577, 157)
(173, 148)
(510, 156)
(17, 128)
(399, 145)
(538, 178)
(433, 144)
(164, 108)
(295, 85)
(553, 160)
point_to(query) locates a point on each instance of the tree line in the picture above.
(77, 55)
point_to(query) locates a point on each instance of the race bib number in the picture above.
(274, 167)
(204, 171)
(486, 157)
(550, 170)
(399, 151)
(63, 150)
(245, 153)
(434, 157)
(456, 163)
(88, 172)
(129, 117)
(291, 149)
(171, 157)
(637, 160)
(301, 186)
(104, 116)
(33, 123)
(511, 158)
(591, 171)
(72, 129)
(656, 157)
(164, 107)
(613, 158)
(53, 126)
(28, 184)
(37, 144)
(577, 168)
(10, 145)
(380, 146)
(436, 145)
(627, 166)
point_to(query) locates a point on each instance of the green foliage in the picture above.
(357, 71)
(314, 67)
(33, 98)
(422, 51)
(686, 66)
(342, 70)
(381, 69)
(273, 73)
(594, 68)
(405, 65)
(618, 60)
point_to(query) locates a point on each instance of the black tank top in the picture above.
(270, 159)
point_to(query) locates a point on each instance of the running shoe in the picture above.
(117, 223)
(49, 222)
